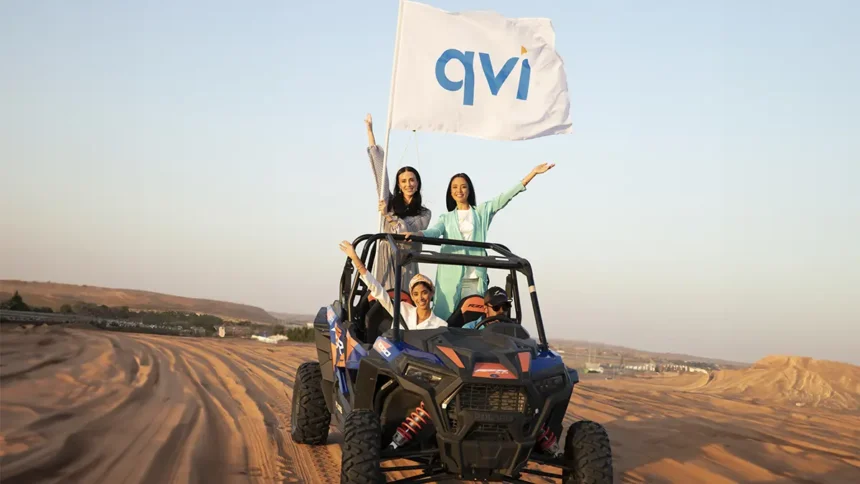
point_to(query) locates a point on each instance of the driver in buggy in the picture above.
(497, 308)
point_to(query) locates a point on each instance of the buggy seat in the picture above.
(469, 309)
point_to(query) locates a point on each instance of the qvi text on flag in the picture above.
(478, 74)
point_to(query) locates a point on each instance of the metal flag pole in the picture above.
(390, 108)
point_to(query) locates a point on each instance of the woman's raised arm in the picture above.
(500, 201)
(371, 140)
(376, 290)
(376, 160)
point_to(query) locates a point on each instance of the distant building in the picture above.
(641, 367)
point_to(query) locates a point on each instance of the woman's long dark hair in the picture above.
(397, 205)
(449, 200)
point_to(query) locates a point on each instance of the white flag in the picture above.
(478, 74)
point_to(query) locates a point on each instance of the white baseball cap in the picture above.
(421, 278)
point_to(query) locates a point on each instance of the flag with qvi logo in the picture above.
(478, 74)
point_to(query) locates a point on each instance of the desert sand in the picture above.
(90, 406)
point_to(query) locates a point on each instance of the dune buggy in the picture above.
(476, 404)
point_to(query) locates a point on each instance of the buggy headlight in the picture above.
(550, 384)
(422, 374)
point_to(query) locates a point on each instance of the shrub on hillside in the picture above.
(300, 334)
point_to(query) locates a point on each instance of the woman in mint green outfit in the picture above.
(465, 220)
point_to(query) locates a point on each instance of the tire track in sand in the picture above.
(248, 436)
(90, 406)
(274, 398)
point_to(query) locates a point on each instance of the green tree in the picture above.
(15, 303)
(66, 309)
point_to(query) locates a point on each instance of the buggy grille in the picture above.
(487, 397)
(492, 397)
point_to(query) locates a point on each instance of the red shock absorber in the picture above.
(548, 442)
(410, 427)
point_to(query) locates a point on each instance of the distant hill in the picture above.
(55, 295)
(644, 354)
(792, 379)
(290, 318)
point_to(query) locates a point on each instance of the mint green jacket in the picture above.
(448, 277)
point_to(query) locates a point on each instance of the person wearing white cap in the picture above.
(419, 316)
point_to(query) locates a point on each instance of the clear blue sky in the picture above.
(707, 201)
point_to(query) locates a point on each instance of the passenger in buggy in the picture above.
(470, 221)
(418, 316)
(402, 210)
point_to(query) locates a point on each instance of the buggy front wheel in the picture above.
(361, 451)
(588, 454)
(310, 417)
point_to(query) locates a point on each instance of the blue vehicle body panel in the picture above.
(545, 360)
(390, 351)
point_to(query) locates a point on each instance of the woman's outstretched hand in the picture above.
(368, 121)
(542, 168)
(349, 250)
(383, 207)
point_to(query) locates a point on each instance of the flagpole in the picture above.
(390, 108)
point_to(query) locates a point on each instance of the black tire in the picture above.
(310, 416)
(362, 438)
(588, 453)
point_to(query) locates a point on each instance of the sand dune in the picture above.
(794, 380)
(89, 406)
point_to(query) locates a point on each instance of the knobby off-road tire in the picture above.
(310, 416)
(588, 453)
(362, 438)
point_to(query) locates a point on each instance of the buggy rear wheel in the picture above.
(310, 416)
(588, 454)
(362, 443)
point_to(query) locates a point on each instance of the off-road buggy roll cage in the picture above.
(460, 403)
(350, 291)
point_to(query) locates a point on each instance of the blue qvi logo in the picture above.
(494, 80)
